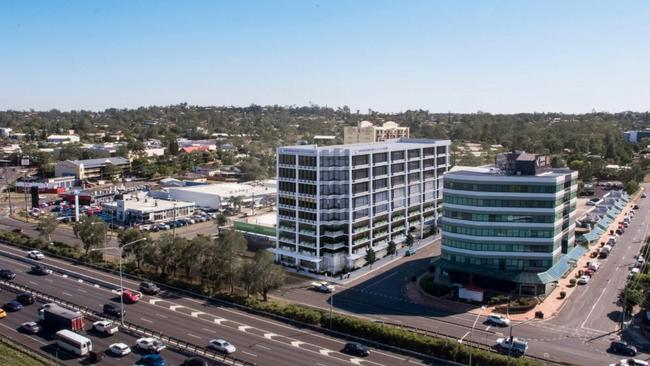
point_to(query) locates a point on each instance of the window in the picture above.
(361, 201)
(414, 177)
(414, 165)
(360, 187)
(397, 180)
(441, 150)
(307, 160)
(427, 151)
(380, 208)
(307, 189)
(287, 186)
(360, 214)
(380, 197)
(380, 157)
(397, 168)
(287, 173)
(360, 160)
(360, 174)
(307, 174)
(380, 170)
(287, 159)
(414, 153)
(397, 155)
(378, 184)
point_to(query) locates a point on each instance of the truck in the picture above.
(54, 317)
(512, 346)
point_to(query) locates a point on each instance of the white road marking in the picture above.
(209, 330)
(154, 301)
(194, 336)
(174, 307)
(463, 337)
(64, 275)
(488, 327)
(262, 347)
(80, 280)
(270, 335)
(146, 320)
(248, 353)
(162, 316)
(82, 290)
(48, 280)
(195, 314)
(66, 294)
(356, 361)
(320, 364)
(243, 328)
(297, 343)
(33, 338)
(219, 320)
(33, 283)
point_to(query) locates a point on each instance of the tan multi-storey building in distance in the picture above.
(366, 132)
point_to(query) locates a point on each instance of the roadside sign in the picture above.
(24, 162)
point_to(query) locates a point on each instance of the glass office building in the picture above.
(510, 227)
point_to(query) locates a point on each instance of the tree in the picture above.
(193, 253)
(371, 256)
(271, 275)
(221, 220)
(235, 202)
(92, 232)
(631, 187)
(409, 239)
(136, 250)
(46, 225)
(111, 171)
(392, 248)
(231, 247)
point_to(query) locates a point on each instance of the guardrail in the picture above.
(133, 329)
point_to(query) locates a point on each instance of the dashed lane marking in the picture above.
(270, 335)
(174, 307)
(248, 353)
(262, 347)
(146, 320)
(33, 283)
(243, 328)
(66, 294)
(193, 336)
(162, 316)
(297, 343)
(209, 330)
(195, 314)
(82, 290)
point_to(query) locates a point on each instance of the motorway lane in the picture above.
(41, 343)
(265, 340)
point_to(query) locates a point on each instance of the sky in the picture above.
(389, 56)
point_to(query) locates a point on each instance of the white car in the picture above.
(498, 319)
(150, 344)
(106, 327)
(632, 362)
(221, 346)
(119, 349)
(35, 254)
(322, 286)
(583, 280)
(634, 271)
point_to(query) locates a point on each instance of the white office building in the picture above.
(335, 202)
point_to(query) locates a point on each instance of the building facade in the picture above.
(511, 228)
(92, 169)
(635, 136)
(139, 209)
(366, 132)
(336, 202)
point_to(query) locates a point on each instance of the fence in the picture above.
(133, 329)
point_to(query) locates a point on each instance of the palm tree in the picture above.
(236, 202)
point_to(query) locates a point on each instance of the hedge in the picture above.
(432, 288)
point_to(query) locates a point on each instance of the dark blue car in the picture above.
(153, 359)
(13, 306)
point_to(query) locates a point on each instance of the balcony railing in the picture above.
(333, 233)
(360, 229)
(361, 241)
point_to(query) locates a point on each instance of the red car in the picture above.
(131, 297)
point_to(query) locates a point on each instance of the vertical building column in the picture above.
(277, 203)
(351, 210)
(318, 210)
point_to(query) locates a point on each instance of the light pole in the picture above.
(516, 325)
(121, 249)
(331, 307)
(471, 332)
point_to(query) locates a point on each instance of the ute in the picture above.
(322, 286)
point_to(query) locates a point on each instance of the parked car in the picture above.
(35, 254)
(643, 195)
(119, 349)
(356, 349)
(7, 274)
(149, 344)
(40, 270)
(149, 288)
(30, 327)
(163, 227)
(583, 280)
(221, 345)
(25, 298)
(409, 252)
(498, 319)
(623, 348)
(636, 207)
(12, 306)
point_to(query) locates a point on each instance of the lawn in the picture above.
(12, 355)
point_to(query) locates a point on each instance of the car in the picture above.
(40, 270)
(149, 344)
(591, 203)
(583, 280)
(35, 254)
(12, 306)
(636, 207)
(94, 357)
(152, 360)
(409, 252)
(113, 310)
(25, 298)
(632, 362)
(322, 286)
(512, 345)
(221, 345)
(149, 288)
(30, 327)
(640, 260)
(356, 349)
(145, 227)
(17, 231)
(7, 274)
(106, 326)
(623, 348)
(131, 297)
(196, 361)
(119, 349)
(498, 319)
(643, 195)
(633, 271)
(163, 227)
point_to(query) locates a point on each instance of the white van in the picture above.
(73, 342)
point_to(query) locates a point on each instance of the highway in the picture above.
(258, 340)
(580, 333)
(45, 345)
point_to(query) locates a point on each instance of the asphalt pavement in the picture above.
(258, 340)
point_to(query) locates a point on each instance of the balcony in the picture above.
(380, 234)
(361, 241)
(334, 246)
(380, 223)
(284, 239)
(360, 229)
(307, 232)
(397, 218)
(399, 228)
(287, 228)
(333, 234)
(307, 244)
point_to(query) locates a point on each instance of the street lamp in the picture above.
(516, 325)
(121, 249)
(471, 332)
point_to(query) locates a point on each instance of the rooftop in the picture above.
(491, 170)
(233, 189)
(141, 202)
(93, 163)
(412, 143)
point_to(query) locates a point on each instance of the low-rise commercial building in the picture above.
(48, 185)
(366, 132)
(510, 227)
(217, 196)
(92, 169)
(139, 209)
(62, 139)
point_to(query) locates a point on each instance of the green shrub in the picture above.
(562, 294)
(430, 287)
